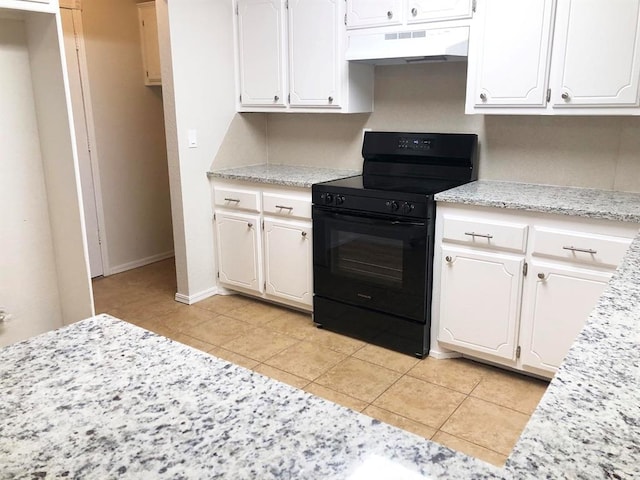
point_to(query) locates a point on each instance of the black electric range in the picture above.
(373, 237)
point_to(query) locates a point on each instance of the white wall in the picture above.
(28, 283)
(198, 87)
(130, 138)
(598, 152)
(44, 276)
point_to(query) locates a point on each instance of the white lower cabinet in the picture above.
(239, 251)
(558, 300)
(484, 320)
(515, 288)
(264, 242)
(288, 260)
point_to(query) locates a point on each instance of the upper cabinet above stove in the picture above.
(367, 14)
(550, 57)
(290, 58)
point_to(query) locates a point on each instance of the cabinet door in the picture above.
(480, 301)
(261, 48)
(510, 52)
(557, 302)
(596, 53)
(314, 52)
(435, 10)
(149, 43)
(288, 260)
(373, 13)
(239, 250)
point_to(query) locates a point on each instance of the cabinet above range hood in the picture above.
(409, 46)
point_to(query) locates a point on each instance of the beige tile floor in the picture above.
(467, 406)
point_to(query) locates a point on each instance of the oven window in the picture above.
(366, 257)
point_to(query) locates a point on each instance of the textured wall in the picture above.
(600, 152)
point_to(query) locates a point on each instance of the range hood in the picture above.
(409, 46)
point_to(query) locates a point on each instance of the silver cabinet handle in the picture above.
(583, 250)
(414, 11)
(483, 97)
(330, 99)
(565, 96)
(276, 98)
(389, 14)
(250, 225)
(541, 276)
(474, 234)
(448, 259)
(282, 207)
(304, 234)
(236, 200)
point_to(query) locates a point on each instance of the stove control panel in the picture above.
(331, 199)
(414, 143)
(357, 203)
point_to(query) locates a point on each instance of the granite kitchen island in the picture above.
(105, 399)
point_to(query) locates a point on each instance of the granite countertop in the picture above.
(582, 202)
(286, 175)
(103, 399)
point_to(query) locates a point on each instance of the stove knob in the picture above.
(327, 198)
(339, 199)
(392, 206)
(407, 207)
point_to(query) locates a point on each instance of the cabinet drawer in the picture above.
(286, 205)
(497, 235)
(237, 199)
(581, 247)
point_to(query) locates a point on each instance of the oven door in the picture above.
(372, 261)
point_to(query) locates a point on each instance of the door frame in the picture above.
(91, 135)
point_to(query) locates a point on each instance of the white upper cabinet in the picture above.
(291, 58)
(436, 10)
(546, 56)
(314, 53)
(596, 56)
(510, 44)
(374, 13)
(261, 46)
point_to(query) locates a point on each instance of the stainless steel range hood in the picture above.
(409, 46)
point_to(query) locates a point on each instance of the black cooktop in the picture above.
(402, 172)
(384, 186)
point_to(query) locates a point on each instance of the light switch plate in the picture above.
(192, 137)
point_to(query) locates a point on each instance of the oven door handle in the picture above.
(367, 220)
(409, 224)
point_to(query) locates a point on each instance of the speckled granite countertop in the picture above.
(287, 175)
(583, 202)
(105, 399)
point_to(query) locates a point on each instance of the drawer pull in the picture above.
(304, 234)
(236, 200)
(583, 250)
(474, 234)
(541, 276)
(282, 207)
(448, 259)
(250, 225)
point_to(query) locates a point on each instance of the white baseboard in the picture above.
(441, 355)
(191, 299)
(138, 263)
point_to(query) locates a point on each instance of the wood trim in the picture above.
(72, 4)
